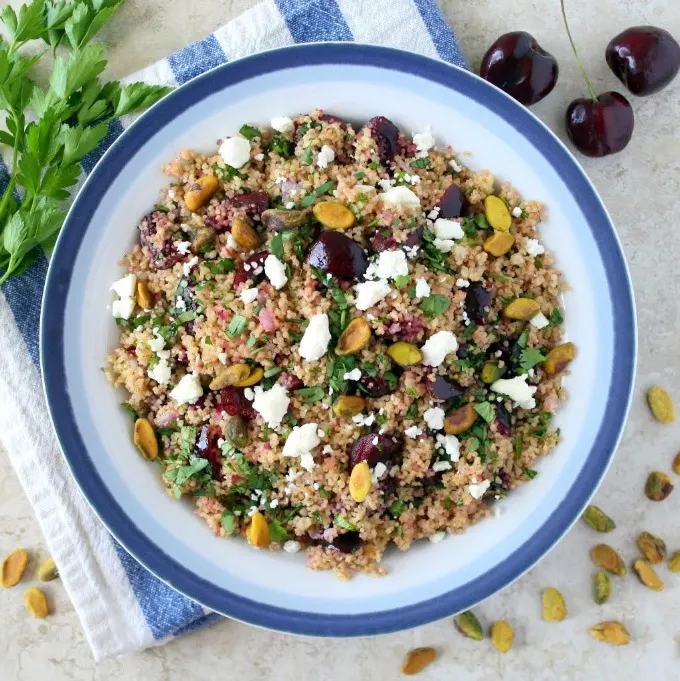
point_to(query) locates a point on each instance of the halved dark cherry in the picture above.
(386, 136)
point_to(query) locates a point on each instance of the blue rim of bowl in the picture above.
(152, 556)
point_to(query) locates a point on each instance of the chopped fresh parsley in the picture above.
(276, 246)
(310, 395)
(324, 493)
(544, 418)
(336, 370)
(469, 330)
(228, 521)
(412, 411)
(486, 410)
(130, 409)
(360, 175)
(237, 326)
(250, 131)
(518, 444)
(187, 316)
(277, 532)
(555, 318)
(223, 266)
(435, 305)
(435, 259)
(530, 473)
(317, 193)
(272, 372)
(530, 357)
(281, 145)
(342, 522)
(396, 508)
(307, 156)
(423, 162)
(401, 280)
(481, 221)
(139, 320)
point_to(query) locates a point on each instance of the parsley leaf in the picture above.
(421, 163)
(486, 410)
(530, 473)
(276, 246)
(223, 266)
(307, 156)
(435, 305)
(228, 521)
(401, 280)
(396, 508)
(555, 318)
(277, 532)
(412, 411)
(310, 395)
(530, 357)
(130, 409)
(342, 522)
(237, 325)
(250, 131)
(282, 146)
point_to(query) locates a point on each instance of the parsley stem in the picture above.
(18, 126)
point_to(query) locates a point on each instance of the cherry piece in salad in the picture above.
(518, 65)
(644, 58)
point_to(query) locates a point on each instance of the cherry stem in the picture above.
(578, 59)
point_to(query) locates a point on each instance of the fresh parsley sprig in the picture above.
(50, 131)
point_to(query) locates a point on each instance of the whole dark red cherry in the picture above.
(518, 65)
(644, 58)
(601, 126)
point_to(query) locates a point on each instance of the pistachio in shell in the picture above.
(653, 548)
(48, 571)
(676, 464)
(36, 603)
(200, 192)
(647, 575)
(13, 568)
(144, 295)
(605, 557)
(360, 481)
(658, 486)
(244, 234)
(660, 404)
(602, 587)
(145, 439)
(674, 562)
(347, 406)
(598, 519)
(468, 625)
(203, 240)
(257, 532)
(614, 633)
(554, 607)
(354, 338)
(417, 659)
(502, 635)
(278, 219)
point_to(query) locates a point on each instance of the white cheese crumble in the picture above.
(534, 248)
(292, 546)
(434, 417)
(235, 151)
(275, 271)
(379, 470)
(183, 247)
(441, 466)
(516, 212)
(161, 373)
(447, 229)
(231, 243)
(326, 156)
(362, 420)
(517, 390)
(454, 166)
(123, 308)
(540, 321)
(188, 390)
(157, 343)
(316, 338)
(451, 445)
(353, 375)
(391, 264)
(477, 489)
(125, 287)
(422, 288)
(413, 432)
(437, 536)
(462, 283)
(249, 295)
(400, 197)
(222, 357)
(424, 140)
(369, 293)
(307, 462)
(188, 266)
(444, 245)
(249, 394)
(302, 440)
(290, 205)
(434, 213)
(282, 123)
(271, 404)
(437, 347)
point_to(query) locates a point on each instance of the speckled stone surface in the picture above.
(641, 187)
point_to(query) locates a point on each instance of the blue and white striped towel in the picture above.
(123, 608)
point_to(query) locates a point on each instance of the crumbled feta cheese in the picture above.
(222, 357)
(400, 197)
(188, 390)
(157, 343)
(282, 124)
(183, 247)
(327, 449)
(163, 354)
(180, 304)
(362, 420)
(450, 444)
(454, 166)
(413, 432)
(447, 229)
(443, 245)
(516, 212)
(307, 462)
(477, 489)
(422, 288)
(125, 287)
(534, 248)
(434, 417)
(302, 440)
(188, 266)
(437, 347)
(292, 546)
(290, 205)
(441, 466)
(249, 295)
(326, 156)
(161, 373)
(259, 157)
(316, 338)
(391, 264)
(369, 293)
(275, 271)
(379, 470)
(353, 375)
(540, 321)
(231, 243)
(517, 390)
(462, 283)
(437, 536)
(434, 213)
(424, 140)
(249, 394)
(271, 404)
(366, 187)
(235, 151)
(123, 308)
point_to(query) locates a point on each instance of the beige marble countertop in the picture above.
(641, 187)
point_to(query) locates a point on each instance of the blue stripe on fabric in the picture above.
(314, 20)
(442, 34)
(90, 161)
(196, 59)
(166, 612)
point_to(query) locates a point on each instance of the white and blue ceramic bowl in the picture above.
(275, 590)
